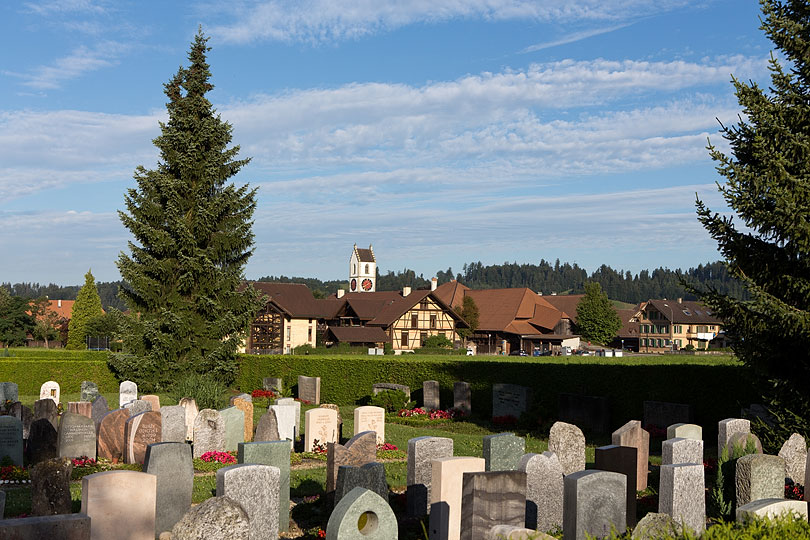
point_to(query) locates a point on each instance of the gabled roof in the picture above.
(295, 299)
(451, 293)
(62, 308)
(629, 327)
(364, 255)
(498, 308)
(685, 312)
(566, 303)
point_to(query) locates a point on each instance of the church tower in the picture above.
(362, 270)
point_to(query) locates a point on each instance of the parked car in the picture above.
(519, 352)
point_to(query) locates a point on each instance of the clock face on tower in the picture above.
(354, 284)
(367, 284)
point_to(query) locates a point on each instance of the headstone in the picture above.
(234, 427)
(89, 391)
(593, 503)
(267, 428)
(309, 389)
(139, 432)
(759, 476)
(794, 452)
(320, 425)
(621, 459)
(242, 396)
(84, 408)
(76, 436)
(544, 490)
(662, 414)
(255, 488)
(99, 409)
(63, 527)
(362, 515)
(502, 452)
(209, 432)
(462, 401)
(685, 431)
(111, 435)
(728, 427)
(591, 413)
(568, 442)
(273, 384)
(655, 525)
(152, 400)
(742, 440)
(41, 441)
(489, 499)
(430, 395)
(370, 476)
(127, 391)
(50, 390)
(421, 452)
(9, 391)
(172, 424)
(376, 388)
(171, 463)
(335, 408)
(46, 409)
(509, 400)
(276, 454)
(190, 407)
(24, 415)
(297, 404)
(50, 487)
(370, 418)
(138, 406)
(11, 439)
(446, 495)
(632, 434)
(119, 501)
(246, 406)
(680, 450)
(217, 517)
(772, 509)
(359, 450)
(681, 494)
(285, 417)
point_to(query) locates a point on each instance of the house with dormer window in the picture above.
(671, 325)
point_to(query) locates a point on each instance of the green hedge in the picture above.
(29, 374)
(40, 353)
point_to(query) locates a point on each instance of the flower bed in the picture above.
(213, 461)
(12, 474)
(421, 417)
(390, 451)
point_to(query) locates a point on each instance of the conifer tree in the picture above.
(193, 237)
(767, 186)
(85, 309)
(597, 321)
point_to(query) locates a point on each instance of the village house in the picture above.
(666, 325)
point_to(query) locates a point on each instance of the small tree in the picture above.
(468, 310)
(16, 320)
(48, 322)
(597, 321)
(86, 307)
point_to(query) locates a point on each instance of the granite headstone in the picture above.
(172, 464)
(275, 454)
(489, 499)
(421, 452)
(76, 436)
(255, 488)
(544, 490)
(568, 442)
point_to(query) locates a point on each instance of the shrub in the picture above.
(391, 400)
(722, 499)
(29, 372)
(438, 341)
(304, 349)
(207, 390)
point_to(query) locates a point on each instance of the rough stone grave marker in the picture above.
(502, 451)
(89, 391)
(320, 425)
(509, 400)
(127, 391)
(246, 406)
(234, 427)
(50, 390)
(209, 432)
(267, 428)
(24, 415)
(359, 450)
(50, 487)
(76, 436)
(172, 464)
(309, 389)
(273, 384)
(46, 409)
(370, 476)
(462, 397)
(218, 517)
(430, 395)
(370, 418)
(623, 460)
(772, 509)
(120, 501)
(445, 495)
(759, 476)
(568, 442)
(111, 435)
(680, 450)
(728, 428)
(593, 502)
(794, 452)
(63, 526)
(632, 434)
(9, 391)
(421, 452)
(138, 406)
(276, 454)
(489, 499)
(172, 424)
(41, 441)
(362, 515)
(139, 432)
(255, 488)
(544, 490)
(190, 407)
(11, 439)
(681, 494)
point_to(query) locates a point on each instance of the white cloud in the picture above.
(60, 7)
(574, 37)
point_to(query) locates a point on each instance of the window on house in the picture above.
(414, 321)
(422, 338)
(433, 321)
(404, 340)
(289, 333)
(366, 269)
(309, 334)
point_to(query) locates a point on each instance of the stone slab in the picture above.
(376, 388)
(46, 409)
(759, 476)
(502, 451)
(50, 487)
(421, 452)
(99, 409)
(359, 450)
(489, 499)
(661, 414)
(370, 418)
(190, 407)
(594, 502)
(217, 518)
(685, 431)
(729, 427)
(89, 391)
(297, 404)
(76, 436)
(172, 423)
(681, 495)
(680, 450)
(320, 425)
(462, 397)
(771, 508)
(84, 408)
(256, 489)
(171, 464)
(234, 427)
(362, 515)
(246, 406)
(50, 390)
(9, 391)
(267, 427)
(42, 441)
(370, 476)
(446, 495)
(61, 527)
(276, 454)
(119, 501)
(510, 400)
(430, 395)
(794, 452)
(309, 389)
(568, 442)
(544, 490)
(274, 384)
(632, 434)
(285, 418)
(622, 460)
(209, 432)
(127, 391)
(591, 413)
(111, 435)
(11, 439)
(139, 432)
(152, 400)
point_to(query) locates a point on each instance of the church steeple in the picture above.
(362, 270)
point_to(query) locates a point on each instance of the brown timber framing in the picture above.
(423, 312)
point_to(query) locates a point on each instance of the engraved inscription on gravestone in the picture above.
(509, 400)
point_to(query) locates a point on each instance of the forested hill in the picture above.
(108, 291)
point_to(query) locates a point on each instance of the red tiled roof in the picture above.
(294, 298)
(364, 255)
(566, 303)
(498, 308)
(685, 312)
(451, 293)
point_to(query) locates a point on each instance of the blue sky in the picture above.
(441, 132)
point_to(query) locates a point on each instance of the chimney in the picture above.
(434, 282)
(340, 293)
(406, 291)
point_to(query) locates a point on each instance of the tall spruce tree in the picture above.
(597, 320)
(86, 308)
(193, 237)
(767, 185)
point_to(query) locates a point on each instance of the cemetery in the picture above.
(294, 451)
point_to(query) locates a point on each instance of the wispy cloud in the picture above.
(574, 37)
(59, 7)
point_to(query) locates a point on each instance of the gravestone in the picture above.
(489, 499)
(309, 389)
(446, 495)
(63, 527)
(376, 388)
(9, 391)
(621, 459)
(127, 391)
(685, 431)
(255, 488)
(41, 441)
(246, 406)
(24, 415)
(794, 452)
(594, 502)
(46, 409)
(285, 417)
(217, 517)
(84, 408)
(138, 406)
(502, 452)
(591, 413)
(511, 532)
(111, 435)
(76, 436)
(11, 440)
(370, 418)
(662, 414)
(273, 384)
(119, 501)
(544, 490)
(742, 440)
(462, 401)
(509, 400)
(171, 463)
(729, 427)
(50, 390)
(267, 428)
(209, 432)
(681, 494)
(99, 409)
(172, 424)
(359, 450)
(89, 391)
(50, 487)
(370, 476)
(335, 408)
(772, 509)
(680, 450)
(276, 454)
(139, 432)
(293, 403)
(430, 395)
(759, 476)
(243, 396)
(152, 400)
(320, 425)
(632, 434)
(655, 525)
(234, 427)
(362, 515)
(190, 407)
(568, 442)
(421, 452)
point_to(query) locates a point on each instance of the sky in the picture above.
(440, 132)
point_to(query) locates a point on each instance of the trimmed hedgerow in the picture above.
(30, 372)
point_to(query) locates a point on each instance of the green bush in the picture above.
(207, 390)
(304, 349)
(30, 372)
(438, 341)
(780, 528)
(391, 400)
(439, 351)
(723, 497)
